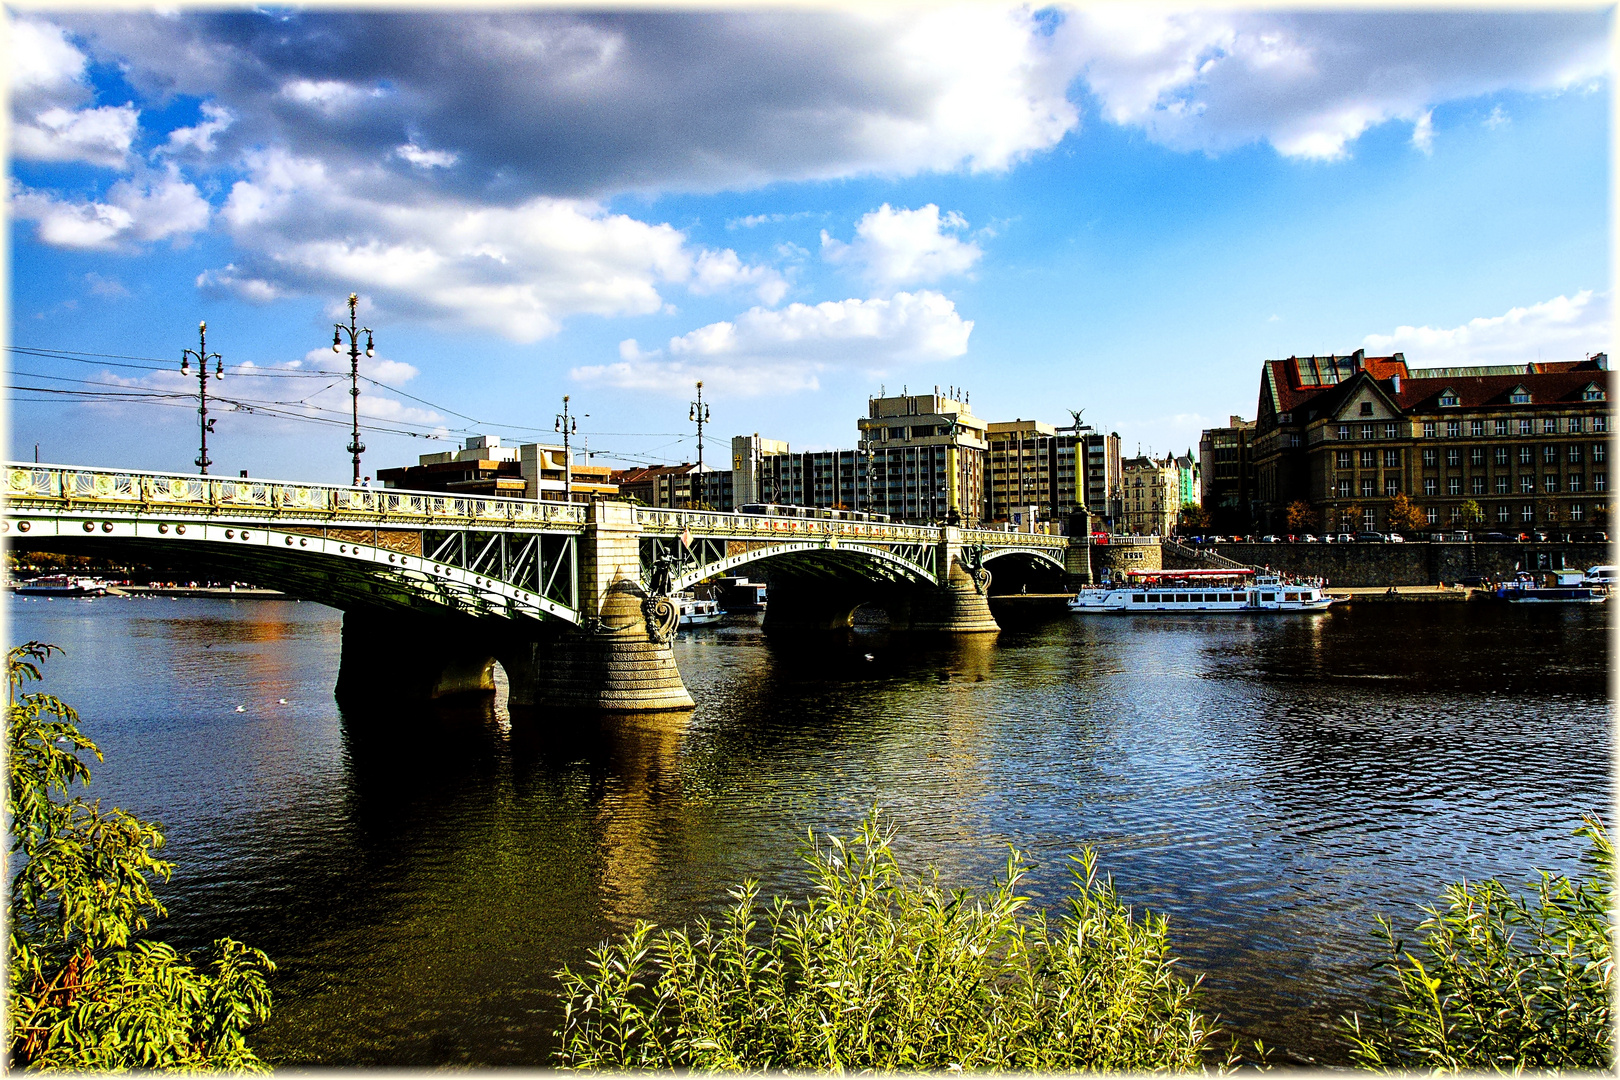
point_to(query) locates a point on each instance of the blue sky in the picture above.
(1112, 208)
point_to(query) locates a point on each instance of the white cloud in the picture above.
(1310, 83)
(48, 84)
(719, 270)
(426, 159)
(43, 60)
(111, 288)
(1563, 328)
(200, 138)
(1497, 118)
(155, 208)
(99, 136)
(1423, 132)
(766, 350)
(902, 247)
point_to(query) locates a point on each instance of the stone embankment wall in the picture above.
(1413, 563)
(1118, 558)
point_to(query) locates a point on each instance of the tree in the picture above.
(1404, 515)
(1471, 513)
(1350, 518)
(1301, 518)
(1193, 516)
(82, 992)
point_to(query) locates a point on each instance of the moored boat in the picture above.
(60, 585)
(696, 612)
(1566, 587)
(1192, 592)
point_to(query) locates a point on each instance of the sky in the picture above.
(1118, 209)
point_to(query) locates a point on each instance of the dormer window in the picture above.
(1366, 408)
(1520, 396)
(1285, 418)
(1449, 400)
(1593, 392)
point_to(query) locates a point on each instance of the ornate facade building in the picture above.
(1504, 447)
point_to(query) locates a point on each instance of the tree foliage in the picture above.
(82, 992)
(1301, 518)
(1500, 981)
(876, 970)
(1405, 516)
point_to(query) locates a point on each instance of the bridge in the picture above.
(574, 600)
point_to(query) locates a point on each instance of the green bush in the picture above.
(1501, 982)
(80, 994)
(876, 970)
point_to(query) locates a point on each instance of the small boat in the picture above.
(60, 585)
(1567, 587)
(1194, 592)
(740, 594)
(695, 612)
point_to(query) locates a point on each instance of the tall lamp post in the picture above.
(699, 412)
(356, 447)
(203, 356)
(568, 426)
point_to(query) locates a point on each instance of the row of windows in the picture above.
(1574, 483)
(1478, 429)
(1574, 454)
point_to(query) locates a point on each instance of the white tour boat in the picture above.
(695, 612)
(1196, 591)
(60, 585)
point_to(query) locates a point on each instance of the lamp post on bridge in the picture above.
(203, 356)
(699, 412)
(356, 447)
(568, 426)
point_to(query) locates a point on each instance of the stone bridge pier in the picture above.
(806, 599)
(617, 659)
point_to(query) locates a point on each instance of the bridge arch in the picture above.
(811, 555)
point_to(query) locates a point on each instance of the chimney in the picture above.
(1395, 383)
(1601, 360)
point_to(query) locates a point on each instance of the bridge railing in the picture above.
(761, 526)
(1001, 538)
(83, 485)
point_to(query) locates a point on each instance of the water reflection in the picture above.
(1269, 784)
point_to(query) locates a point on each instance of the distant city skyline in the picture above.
(1118, 209)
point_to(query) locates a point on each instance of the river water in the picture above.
(1270, 784)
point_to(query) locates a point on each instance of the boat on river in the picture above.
(1192, 592)
(696, 612)
(60, 585)
(1565, 587)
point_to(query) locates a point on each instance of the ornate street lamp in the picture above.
(568, 426)
(203, 356)
(356, 447)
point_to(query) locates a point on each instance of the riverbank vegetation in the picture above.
(1500, 981)
(84, 992)
(879, 970)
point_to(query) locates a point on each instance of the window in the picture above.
(1448, 400)
(1344, 489)
(1549, 455)
(1527, 513)
(1454, 485)
(1390, 431)
(1367, 458)
(1592, 393)
(1392, 459)
(1428, 429)
(1574, 481)
(1456, 513)
(1476, 456)
(1431, 457)
(1366, 408)
(1524, 455)
(1501, 427)
(1431, 515)
(1366, 431)
(1430, 485)
(1453, 457)
(1520, 396)
(1293, 438)
(1285, 418)
(1344, 431)
(1600, 423)
(1476, 428)
(1453, 429)
(1392, 487)
(1341, 459)
(1502, 484)
(1476, 486)
(1524, 427)
(1600, 481)
(1549, 483)
(1366, 489)
(1527, 484)
(1576, 511)
(1501, 455)
(1549, 425)
(1576, 425)
(1504, 514)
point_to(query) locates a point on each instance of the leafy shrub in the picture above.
(1501, 982)
(877, 970)
(80, 994)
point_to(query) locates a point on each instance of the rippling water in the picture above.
(1269, 784)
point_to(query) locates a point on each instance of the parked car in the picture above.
(1538, 536)
(1396, 538)
(1597, 536)
(1344, 538)
(1498, 538)
(1269, 538)
(1370, 537)
(1309, 538)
